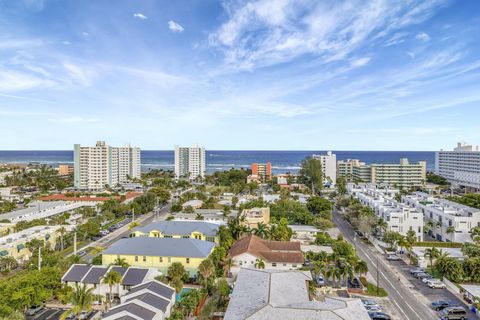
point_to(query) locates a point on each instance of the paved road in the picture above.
(109, 239)
(409, 304)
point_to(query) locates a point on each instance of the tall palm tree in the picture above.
(259, 264)
(62, 231)
(261, 230)
(346, 271)
(432, 253)
(112, 278)
(82, 299)
(361, 267)
(206, 269)
(227, 263)
(121, 262)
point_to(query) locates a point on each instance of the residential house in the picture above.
(201, 230)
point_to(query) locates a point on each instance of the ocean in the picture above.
(282, 161)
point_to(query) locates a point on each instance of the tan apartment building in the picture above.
(252, 217)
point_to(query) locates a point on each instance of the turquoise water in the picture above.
(181, 293)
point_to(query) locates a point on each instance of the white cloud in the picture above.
(66, 42)
(140, 16)
(15, 81)
(174, 26)
(360, 62)
(267, 32)
(81, 75)
(86, 34)
(422, 36)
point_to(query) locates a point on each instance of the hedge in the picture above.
(439, 244)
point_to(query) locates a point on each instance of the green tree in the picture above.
(320, 206)
(206, 269)
(176, 270)
(82, 300)
(280, 231)
(177, 284)
(121, 262)
(311, 173)
(261, 230)
(259, 264)
(112, 278)
(432, 254)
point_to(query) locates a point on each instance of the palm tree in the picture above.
(261, 230)
(334, 273)
(361, 267)
(121, 262)
(82, 299)
(112, 278)
(442, 257)
(259, 264)
(62, 231)
(346, 271)
(475, 234)
(206, 269)
(227, 263)
(432, 253)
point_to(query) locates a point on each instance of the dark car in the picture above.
(354, 283)
(82, 253)
(440, 305)
(453, 313)
(379, 316)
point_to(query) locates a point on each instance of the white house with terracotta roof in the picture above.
(280, 255)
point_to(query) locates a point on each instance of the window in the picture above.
(284, 264)
(136, 258)
(185, 237)
(274, 264)
(167, 236)
(144, 259)
(187, 260)
(169, 259)
(211, 239)
(294, 265)
(161, 259)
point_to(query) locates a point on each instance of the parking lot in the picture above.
(430, 295)
(52, 314)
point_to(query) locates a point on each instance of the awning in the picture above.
(20, 246)
(3, 253)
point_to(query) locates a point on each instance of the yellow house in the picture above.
(252, 217)
(160, 253)
(15, 244)
(200, 230)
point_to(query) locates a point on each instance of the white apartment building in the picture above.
(101, 165)
(446, 220)
(329, 166)
(345, 168)
(399, 217)
(461, 167)
(190, 161)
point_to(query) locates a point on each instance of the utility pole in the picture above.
(75, 242)
(378, 281)
(39, 258)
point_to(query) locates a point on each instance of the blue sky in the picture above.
(279, 74)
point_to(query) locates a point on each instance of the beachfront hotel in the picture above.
(329, 166)
(190, 162)
(401, 175)
(345, 168)
(101, 165)
(461, 167)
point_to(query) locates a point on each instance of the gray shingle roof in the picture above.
(120, 270)
(152, 300)
(76, 273)
(94, 275)
(181, 227)
(132, 308)
(156, 287)
(134, 276)
(161, 247)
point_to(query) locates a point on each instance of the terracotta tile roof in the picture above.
(268, 250)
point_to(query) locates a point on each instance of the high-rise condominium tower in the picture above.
(190, 162)
(101, 165)
(461, 167)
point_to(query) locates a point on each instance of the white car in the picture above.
(393, 257)
(437, 284)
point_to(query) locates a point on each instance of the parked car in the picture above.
(438, 305)
(84, 315)
(453, 313)
(320, 280)
(369, 303)
(436, 284)
(429, 278)
(416, 270)
(354, 283)
(393, 257)
(33, 310)
(374, 308)
(421, 275)
(82, 253)
(379, 316)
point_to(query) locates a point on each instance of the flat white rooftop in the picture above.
(43, 209)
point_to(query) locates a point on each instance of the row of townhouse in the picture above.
(446, 220)
(399, 216)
